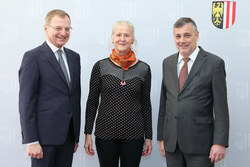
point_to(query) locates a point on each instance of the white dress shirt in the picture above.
(190, 63)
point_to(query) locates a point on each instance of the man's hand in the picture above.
(76, 146)
(35, 151)
(88, 145)
(217, 153)
(147, 147)
(161, 147)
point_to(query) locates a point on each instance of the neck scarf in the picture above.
(123, 61)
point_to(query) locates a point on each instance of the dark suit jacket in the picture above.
(197, 116)
(45, 100)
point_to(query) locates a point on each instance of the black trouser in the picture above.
(57, 155)
(129, 152)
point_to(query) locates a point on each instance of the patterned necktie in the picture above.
(183, 73)
(62, 64)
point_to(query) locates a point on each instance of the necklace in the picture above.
(123, 82)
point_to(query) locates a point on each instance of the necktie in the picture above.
(183, 73)
(62, 64)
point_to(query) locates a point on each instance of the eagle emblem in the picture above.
(223, 13)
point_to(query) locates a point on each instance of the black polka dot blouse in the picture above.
(122, 99)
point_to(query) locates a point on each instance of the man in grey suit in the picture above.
(193, 121)
(49, 97)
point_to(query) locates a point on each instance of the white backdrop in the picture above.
(21, 29)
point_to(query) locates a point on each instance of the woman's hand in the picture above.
(147, 147)
(88, 145)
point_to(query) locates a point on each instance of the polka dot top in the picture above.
(122, 99)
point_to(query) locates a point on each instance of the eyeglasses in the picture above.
(67, 29)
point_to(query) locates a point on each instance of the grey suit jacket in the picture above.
(197, 116)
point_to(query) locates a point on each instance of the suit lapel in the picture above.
(50, 57)
(173, 67)
(199, 61)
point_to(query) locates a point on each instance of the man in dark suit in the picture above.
(193, 122)
(49, 97)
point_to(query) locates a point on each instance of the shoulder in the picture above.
(170, 58)
(34, 51)
(33, 54)
(105, 60)
(143, 65)
(71, 52)
(37, 51)
(211, 56)
(142, 69)
(101, 62)
(31, 57)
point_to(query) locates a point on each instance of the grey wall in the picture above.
(21, 29)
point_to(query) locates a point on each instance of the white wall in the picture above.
(21, 29)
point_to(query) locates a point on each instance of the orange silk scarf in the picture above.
(123, 61)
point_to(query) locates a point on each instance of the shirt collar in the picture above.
(53, 47)
(192, 56)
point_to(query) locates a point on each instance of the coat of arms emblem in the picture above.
(223, 13)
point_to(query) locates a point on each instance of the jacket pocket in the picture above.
(203, 120)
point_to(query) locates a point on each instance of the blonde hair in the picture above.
(53, 13)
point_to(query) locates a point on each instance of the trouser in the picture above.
(180, 159)
(57, 155)
(128, 151)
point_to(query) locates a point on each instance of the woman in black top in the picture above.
(124, 121)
